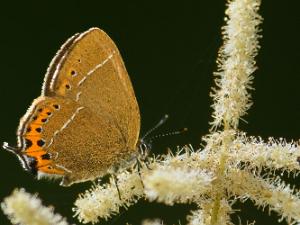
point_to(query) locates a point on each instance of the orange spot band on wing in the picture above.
(40, 158)
(33, 143)
(44, 163)
(33, 129)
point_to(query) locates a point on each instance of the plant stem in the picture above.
(220, 175)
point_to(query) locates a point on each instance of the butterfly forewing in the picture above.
(55, 64)
(93, 74)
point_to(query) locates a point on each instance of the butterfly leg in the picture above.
(147, 165)
(116, 183)
(139, 166)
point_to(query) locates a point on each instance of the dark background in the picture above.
(169, 48)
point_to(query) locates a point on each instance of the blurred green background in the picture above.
(169, 48)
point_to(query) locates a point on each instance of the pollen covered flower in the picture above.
(26, 209)
(104, 201)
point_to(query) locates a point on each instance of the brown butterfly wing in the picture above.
(94, 118)
(80, 144)
(92, 73)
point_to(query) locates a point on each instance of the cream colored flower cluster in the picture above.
(26, 209)
(236, 62)
(191, 176)
(104, 201)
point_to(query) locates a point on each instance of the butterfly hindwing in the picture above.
(69, 139)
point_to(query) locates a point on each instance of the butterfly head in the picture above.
(144, 147)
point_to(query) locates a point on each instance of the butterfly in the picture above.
(86, 121)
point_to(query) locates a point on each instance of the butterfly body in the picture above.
(87, 120)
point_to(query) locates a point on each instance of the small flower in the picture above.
(270, 192)
(236, 63)
(103, 201)
(170, 185)
(26, 209)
